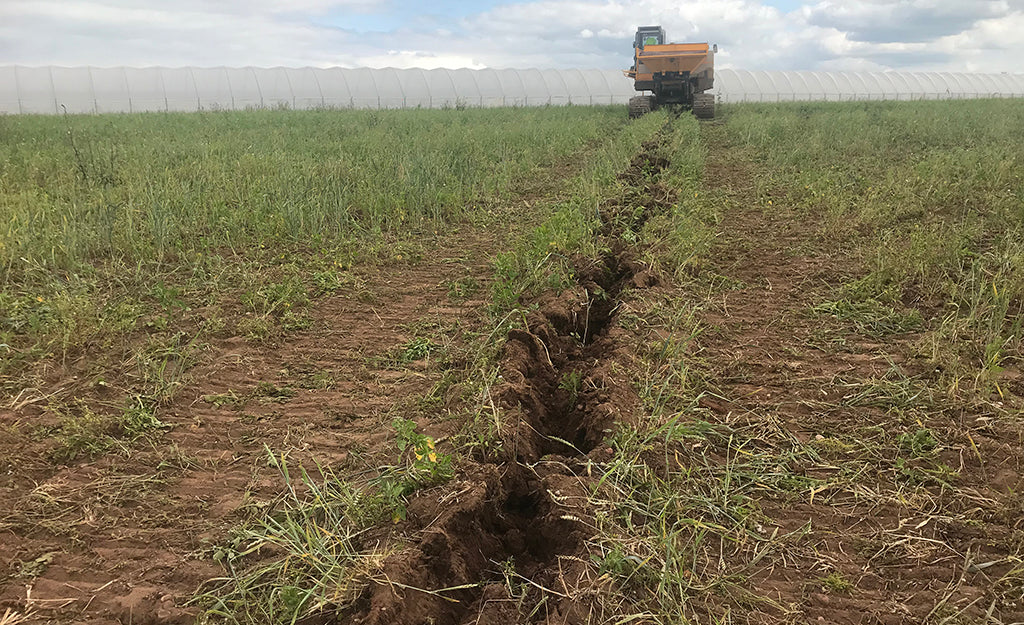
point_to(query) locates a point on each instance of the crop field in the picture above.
(501, 366)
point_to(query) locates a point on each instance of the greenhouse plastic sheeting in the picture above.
(743, 86)
(108, 90)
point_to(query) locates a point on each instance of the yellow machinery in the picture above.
(675, 73)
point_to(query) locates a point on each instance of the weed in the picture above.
(938, 188)
(317, 380)
(318, 560)
(920, 444)
(268, 391)
(314, 533)
(162, 363)
(106, 236)
(425, 467)
(462, 288)
(872, 317)
(417, 349)
(220, 400)
(294, 321)
(835, 584)
(255, 328)
(276, 298)
(570, 383)
(82, 432)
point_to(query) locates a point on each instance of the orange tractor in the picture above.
(675, 73)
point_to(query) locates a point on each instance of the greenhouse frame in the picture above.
(123, 89)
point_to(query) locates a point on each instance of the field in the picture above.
(514, 366)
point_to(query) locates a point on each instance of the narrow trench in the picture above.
(557, 382)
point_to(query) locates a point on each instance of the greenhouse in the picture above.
(108, 90)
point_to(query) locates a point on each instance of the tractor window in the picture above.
(651, 41)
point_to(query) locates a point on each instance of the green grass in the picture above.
(138, 187)
(315, 534)
(119, 223)
(542, 258)
(85, 433)
(276, 207)
(929, 194)
(567, 224)
(307, 553)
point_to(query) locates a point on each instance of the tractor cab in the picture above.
(649, 36)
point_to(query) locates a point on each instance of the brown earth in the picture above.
(129, 537)
(891, 544)
(912, 555)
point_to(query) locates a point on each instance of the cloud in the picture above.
(906, 21)
(980, 35)
(111, 33)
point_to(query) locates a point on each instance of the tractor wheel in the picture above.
(640, 106)
(704, 106)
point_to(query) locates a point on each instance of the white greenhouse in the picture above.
(121, 89)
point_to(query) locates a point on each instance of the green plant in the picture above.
(425, 467)
(835, 584)
(268, 391)
(571, 383)
(314, 536)
(83, 432)
(462, 288)
(919, 444)
(417, 349)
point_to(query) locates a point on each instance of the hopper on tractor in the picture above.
(674, 73)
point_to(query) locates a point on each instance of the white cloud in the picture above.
(903, 20)
(979, 35)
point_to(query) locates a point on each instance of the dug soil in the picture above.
(891, 544)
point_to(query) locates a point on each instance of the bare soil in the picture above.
(911, 555)
(129, 537)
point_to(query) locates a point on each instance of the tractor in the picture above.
(675, 74)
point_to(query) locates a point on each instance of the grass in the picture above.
(685, 515)
(308, 553)
(279, 589)
(929, 196)
(133, 241)
(112, 224)
(152, 185)
(84, 433)
(541, 259)
(711, 487)
(316, 529)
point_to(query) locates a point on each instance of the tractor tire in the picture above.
(704, 106)
(640, 106)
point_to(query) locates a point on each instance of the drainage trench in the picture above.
(517, 521)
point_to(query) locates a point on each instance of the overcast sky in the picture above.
(944, 35)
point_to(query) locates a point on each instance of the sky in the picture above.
(913, 35)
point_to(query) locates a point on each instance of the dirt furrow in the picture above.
(513, 517)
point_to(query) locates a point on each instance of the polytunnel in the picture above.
(765, 86)
(125, 89)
